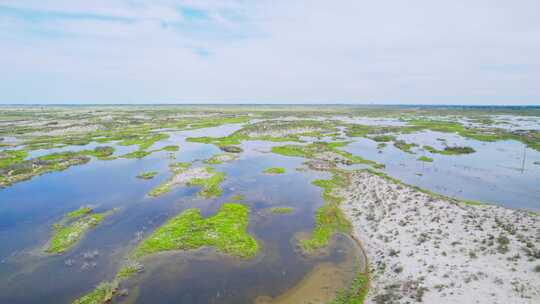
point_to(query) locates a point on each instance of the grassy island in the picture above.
(147, 175)
(225, 231)
(72, 228)
(281, 210)
(426, 159)
(455, 150)
(329, 219)
(275, 170)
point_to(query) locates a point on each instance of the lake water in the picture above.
(28, 209)
(498, 172)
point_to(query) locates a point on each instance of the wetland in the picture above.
(268, 204)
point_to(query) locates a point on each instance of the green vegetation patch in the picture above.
(171, 148)
(275, 170)
(129, 269)
(19, 169)
(383, 138)
(221, 158)
(11, 157)
(454, 150)
(70, 230)
(231, 149)
(137, 154)
(175, 168)
(320, 150)
(100, 152)
(226, 231)
(281, 210)
(147, 175)
(144, 141)
(211, 187)
(425, 159)
(356, 293)
(404, 146)
(270, 130)
(103, 293)
(144, 153)
(329, 219)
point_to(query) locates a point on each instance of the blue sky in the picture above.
(258, 51)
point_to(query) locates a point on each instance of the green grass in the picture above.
(275, 170)
(425, 159)
(103, 153)
(356, 293)
(211, 187)
(129, 269)
(226, 231)
(10, 157)
(179, 166)
(147, 175)
(281, 210)
(246, 133)
(329, 219)
(78, 213)
(171, 148)
(404, 146)
(102, 294)
(72, 228)
(144, 141)
(312, 150)
(455, 150)
(231, 149)
(220, 158)
(21, 170)
(383, 138)
(137, 154)
(175, 168)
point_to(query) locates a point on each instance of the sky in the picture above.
(276, 51)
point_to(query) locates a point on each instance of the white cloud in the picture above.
(272, 51)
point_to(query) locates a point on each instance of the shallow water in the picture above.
(498, 172)
(28, 209)
(502, 172)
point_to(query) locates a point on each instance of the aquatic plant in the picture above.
(175, 168)
(424, 158)
(324, 151)
(383, 138)
(221, 158)
(356, 293)
(211, 186)
(171, 148)
(103, 293)
(17, 169)
(231, 149)
(11, 157)
(71, 229)
(144, 141)
(275, 170)
(281, 210)
(147, 175)
(404, 146)
(225, 231)
(454, 150)
(329, 219)
(129, 269)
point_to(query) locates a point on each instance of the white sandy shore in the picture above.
(423, 248)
